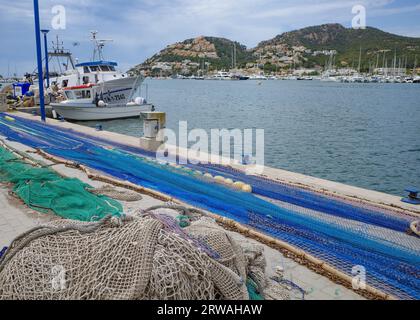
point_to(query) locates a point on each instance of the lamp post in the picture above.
(47, 71)
(39, 60)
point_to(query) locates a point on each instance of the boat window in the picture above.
(86, 70)
(111, 68)
(69, 95)
(104, 68)
(78, 94)
(65, 83)
(85, 80)
(83, 94)
(94, 68)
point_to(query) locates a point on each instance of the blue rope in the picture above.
(2, 252)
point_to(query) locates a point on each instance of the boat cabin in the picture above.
(79, 92)
(90, 73)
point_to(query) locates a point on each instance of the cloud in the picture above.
(141, 28)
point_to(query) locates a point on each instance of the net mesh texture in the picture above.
(130, 258)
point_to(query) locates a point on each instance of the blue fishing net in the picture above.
(390, 266)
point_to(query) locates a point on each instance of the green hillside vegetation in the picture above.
(347, 42)
(376, 47)
(224, 49)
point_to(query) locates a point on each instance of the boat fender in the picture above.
(101, 104)
(139, 101)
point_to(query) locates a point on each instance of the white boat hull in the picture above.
(88, 113)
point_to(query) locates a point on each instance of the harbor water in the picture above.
(366, 135)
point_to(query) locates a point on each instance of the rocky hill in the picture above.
(311, 47)
(194, 55)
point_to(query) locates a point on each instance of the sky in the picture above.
(140, 28)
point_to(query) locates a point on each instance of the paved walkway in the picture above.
(16, 218)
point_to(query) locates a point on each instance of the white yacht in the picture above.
(95, 90)
(258, 77)
(222, 75)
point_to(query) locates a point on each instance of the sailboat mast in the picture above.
(395, 63)
(234, 48)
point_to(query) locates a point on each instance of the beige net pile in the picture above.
(137, 258)
(230, 269)
(142, 257)
(246, 259)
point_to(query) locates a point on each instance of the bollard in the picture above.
(153, 125)
(413, 196)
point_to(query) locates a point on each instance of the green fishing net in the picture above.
(42, 189)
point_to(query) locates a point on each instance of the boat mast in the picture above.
(232, 59)
(98, 46)
(58, 52)
(234, 49)
(395, 63)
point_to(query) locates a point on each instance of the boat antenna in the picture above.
(58, 46)
(98, 46)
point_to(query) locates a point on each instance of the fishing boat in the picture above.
(102, 101)
(96, 90)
